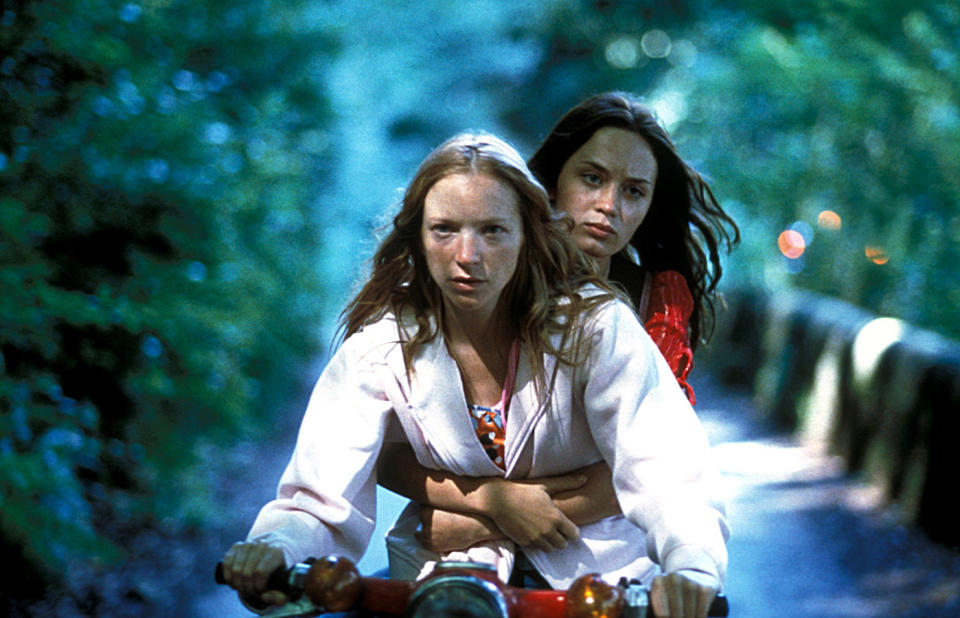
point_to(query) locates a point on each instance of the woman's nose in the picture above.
(607, 201)
(468, 250)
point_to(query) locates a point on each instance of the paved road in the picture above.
(808, 541)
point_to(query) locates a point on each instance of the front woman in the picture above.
(480, 317)
(651, 225)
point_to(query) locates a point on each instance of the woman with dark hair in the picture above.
(485, 341)
(647, 217)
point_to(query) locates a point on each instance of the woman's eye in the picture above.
(591, 178)
(440, 229)
(494, 229)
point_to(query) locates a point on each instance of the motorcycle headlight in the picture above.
(458, 595)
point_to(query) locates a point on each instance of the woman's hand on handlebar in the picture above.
(685, 594)
(248, 564)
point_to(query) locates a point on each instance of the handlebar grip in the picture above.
(719, 607)
(279, 579)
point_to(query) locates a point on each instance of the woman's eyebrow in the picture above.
(597, 164)
(457, 220)
(593, 163)
(493, 220)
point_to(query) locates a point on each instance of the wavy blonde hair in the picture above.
(542, 298)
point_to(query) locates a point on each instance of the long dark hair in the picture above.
(540, 300)
(685, 226)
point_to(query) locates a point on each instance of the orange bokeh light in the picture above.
(829, 220)
(791, 244)
(877, 255)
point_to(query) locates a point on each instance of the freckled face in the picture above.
(472, 235)
(606, 187)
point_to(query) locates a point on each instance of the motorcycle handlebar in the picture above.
(384, 596)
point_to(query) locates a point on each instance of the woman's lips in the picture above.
(466, 284)
(599, 230)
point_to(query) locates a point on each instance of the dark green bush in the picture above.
(157, 256)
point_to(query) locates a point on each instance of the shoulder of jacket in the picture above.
(374, 341)
(589, 290)
(610, 314)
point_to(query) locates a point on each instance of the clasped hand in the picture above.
(523, 511)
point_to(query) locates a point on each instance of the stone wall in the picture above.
(883, 395)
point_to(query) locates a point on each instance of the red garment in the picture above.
(668, 314)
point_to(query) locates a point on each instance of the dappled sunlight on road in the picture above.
(810, 540)
(775, 460)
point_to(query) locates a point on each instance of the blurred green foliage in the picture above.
(852, 109)
(158, 162)
(188, 192)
